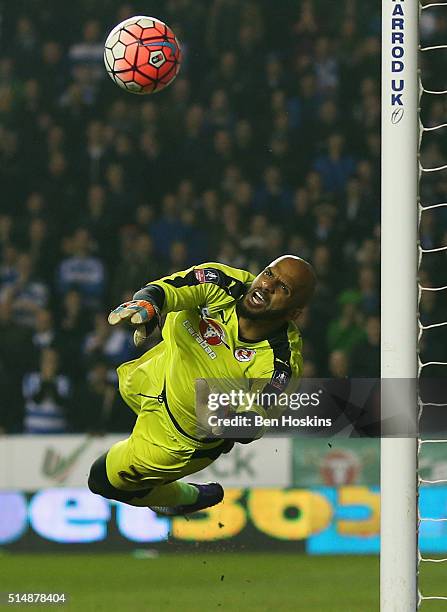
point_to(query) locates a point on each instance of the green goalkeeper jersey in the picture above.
(201, 342)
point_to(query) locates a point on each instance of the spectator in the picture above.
(96, 407)
(82, 271)
(108, 343)
(138, 266)
(366, 355)
(46, 393)
(346, 332)
(25, 293)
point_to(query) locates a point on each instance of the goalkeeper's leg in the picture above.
(118, 475)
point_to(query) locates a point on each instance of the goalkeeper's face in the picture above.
(280, 291)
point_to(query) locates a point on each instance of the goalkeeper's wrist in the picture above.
(152, 294)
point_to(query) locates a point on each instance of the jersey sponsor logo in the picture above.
(243, 354)
(207, 275)
(211, 332)
(279, 379)
(198, 338)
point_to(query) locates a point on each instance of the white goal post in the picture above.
(400, 120)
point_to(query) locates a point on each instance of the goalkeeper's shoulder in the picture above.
(213, 271)
(207, 272)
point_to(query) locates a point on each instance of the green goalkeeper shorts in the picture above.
(156, 452)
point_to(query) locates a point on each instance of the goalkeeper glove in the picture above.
(140, 313)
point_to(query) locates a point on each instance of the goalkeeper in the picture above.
(221, 323)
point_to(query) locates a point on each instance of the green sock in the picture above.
(172, 494)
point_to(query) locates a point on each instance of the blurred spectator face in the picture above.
(325, 216)
(335, 145)
(149, 112)
(188, 216)
(321, 257)
(122, 144)
(119, 110)
(98, 374)
(367, 279)
(9, 255)
(115, 176)
(222, 143)
(279, 101)
(24, 266)
(273, 69)
(6, 312)
(368, 87)
(281, 122)
(298, 246)
(313, 181)
(348, 27)
(228, 63)
(91, 31)
(31, 90)
(185, 191)
(279, 147)
(275, 241)
(144, 215)
(37, 230)
(169, 205)
(232, 175)
(55, 137)
(373, 330)
(301, 201)
(51, 52)
(230, 215)
(247, 35)
(149, 144)
(365, 171)
(101, 325)
(5, 227)
(49, 360)
(219, 101)
(96, 197)
(95, 133)
(353, 188)
(181, 91)
(194, 118)
(178, 253)
(43, 321)
(322, 48)
(243, 133)
(6, 69)
(307, 86)
(371, 46)
(259, 225)
(369, 252)
(309, 369)
(143, 246)
(349, 312)
(328, 112)
(427, 302)
(57, 165)
(338, 364)
(72, 301)
(243, 194)
(210, 201)
(272, 177)
(81, 242)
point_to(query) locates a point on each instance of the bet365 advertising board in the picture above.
(313, 496)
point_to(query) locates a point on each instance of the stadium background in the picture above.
(268, 142)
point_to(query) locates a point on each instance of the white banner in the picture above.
(30, 463)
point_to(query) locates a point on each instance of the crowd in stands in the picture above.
(267, 143)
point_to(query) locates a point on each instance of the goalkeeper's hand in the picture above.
(139, 313)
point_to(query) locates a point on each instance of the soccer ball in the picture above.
(142, 55)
